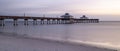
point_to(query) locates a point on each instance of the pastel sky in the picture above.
(102, 9)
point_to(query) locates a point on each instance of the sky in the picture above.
(108, 10)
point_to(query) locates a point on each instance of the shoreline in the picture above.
(22, 37)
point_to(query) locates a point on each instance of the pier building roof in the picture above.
(83, 17)
(66, 15)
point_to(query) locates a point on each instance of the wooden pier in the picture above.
(65, 19)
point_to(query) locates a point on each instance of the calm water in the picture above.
(103, 33)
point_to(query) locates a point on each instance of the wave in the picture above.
(103, 45)
(106, 45)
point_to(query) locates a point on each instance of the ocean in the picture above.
(104, 33)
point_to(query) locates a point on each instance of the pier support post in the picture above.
(66, 21)
(2, 22)
(15, 22)
(42, 21)
(89, 21)
(97, 21)
(58, 21)
(34, 21)
(93, 21)
(53, 21)
(25, 21)
(63, 21)
(48, 21)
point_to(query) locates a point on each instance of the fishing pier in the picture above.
(64, 19)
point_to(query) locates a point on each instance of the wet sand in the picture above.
(19, 43)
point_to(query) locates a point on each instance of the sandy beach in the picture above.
(18, 43)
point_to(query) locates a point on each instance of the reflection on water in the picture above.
(104, 33)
